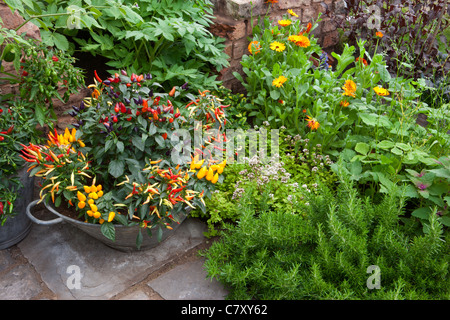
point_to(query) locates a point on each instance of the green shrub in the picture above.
(169, 38)
(326, 254)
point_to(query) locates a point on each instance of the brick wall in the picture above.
(233, 22)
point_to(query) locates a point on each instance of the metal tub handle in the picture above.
(38, 221)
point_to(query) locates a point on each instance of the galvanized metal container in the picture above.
(125, 236)
(17, 228)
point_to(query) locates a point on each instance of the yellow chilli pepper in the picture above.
(81, 204)
(81, 196)
(215, 178)
(194, 162)
(93, 195)
(96, 214)
(111, 216)
(198, 165)
(87, 189)
(202, 173)
(210, 174)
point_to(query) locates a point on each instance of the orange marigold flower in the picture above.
(254, 45)
(312, 123)
(349, 88)
(344, 103)
(379, 34)
(300, 40)
(362, 60)
(272, 1)
(303, 42)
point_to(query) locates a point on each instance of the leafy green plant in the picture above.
(41, 72)
(432, 187)
(275, 68)
(326, 253)
(44, 74)
(238, 117)
(169, 38)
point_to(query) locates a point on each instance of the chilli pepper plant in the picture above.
(129, 160)
(41, 74)
(16, 126)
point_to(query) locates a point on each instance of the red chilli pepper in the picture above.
(97, 77)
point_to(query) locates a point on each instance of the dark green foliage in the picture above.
(326, 253)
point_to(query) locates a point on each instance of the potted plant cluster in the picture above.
(129, 166)
(41, 74)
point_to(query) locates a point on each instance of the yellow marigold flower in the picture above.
(381, 91)
(349, 88)
(284, 23)
(254, 45)
(344, 103)
(312, 123)
(294, 38)
(278, 82)
(277, 46)
(379, 34)
(292, 13)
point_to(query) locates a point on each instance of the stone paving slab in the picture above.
(19, 283)
(188, 282)
(57, 252)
